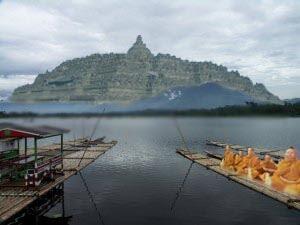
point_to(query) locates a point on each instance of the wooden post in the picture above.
(25, 149)
(62, 150)
(35, 150)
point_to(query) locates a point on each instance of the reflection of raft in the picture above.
(212, 162)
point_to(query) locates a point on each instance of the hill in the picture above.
(206, 96)
(293, 101)
(131, 76)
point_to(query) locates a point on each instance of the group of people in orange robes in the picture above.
(284, 176)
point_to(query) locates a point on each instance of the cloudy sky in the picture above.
(261, 39)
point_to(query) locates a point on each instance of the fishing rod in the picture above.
(91, 136)
(180, 189)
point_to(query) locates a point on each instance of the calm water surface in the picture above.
(139, 180)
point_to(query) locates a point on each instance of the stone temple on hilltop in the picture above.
(124, 77)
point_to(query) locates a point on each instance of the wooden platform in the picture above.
(213, 164)
(14, 199)
(275, 153)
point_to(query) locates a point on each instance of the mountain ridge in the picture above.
(180, 98)
(292, 100)
(126, 77)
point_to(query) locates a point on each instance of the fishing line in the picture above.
(181, 134)
(91, 198)
(180, 189)
(74, 136)
(91, 136)
(82, 178)
(83, 129)
(189, 169)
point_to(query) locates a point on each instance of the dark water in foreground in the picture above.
(137, 181)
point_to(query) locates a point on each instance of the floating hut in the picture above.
(33, 168)
(33, 172)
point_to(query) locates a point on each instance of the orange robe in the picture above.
(243, 165)
(253, 168)
(289, 170)
(222, 164)
(267, 167)
(294, 176)
(228, 160)
(240, 168)
(251, 162)
(237, 160)
(265, 171)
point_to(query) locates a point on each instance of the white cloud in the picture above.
(9, 83)
(259, 38)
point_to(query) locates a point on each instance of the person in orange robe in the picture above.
(249, 165)
(238, 158)
(268, 167)
(253, 167)
(287, 176)
(293, 180)
(228, 159)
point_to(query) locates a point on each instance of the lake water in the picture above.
(139, 180)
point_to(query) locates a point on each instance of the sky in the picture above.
(260, 39)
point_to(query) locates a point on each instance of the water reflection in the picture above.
(37, 212)
(91, 198)
(137, 181)
(181, 187)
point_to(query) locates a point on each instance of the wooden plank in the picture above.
(275, 153)
(213, 164)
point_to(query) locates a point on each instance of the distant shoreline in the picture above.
(287, 110)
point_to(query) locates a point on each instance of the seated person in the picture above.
(228, 159)
(238, 158)
(268, 167)
(249, 165)
(287, 176)
(253, 168)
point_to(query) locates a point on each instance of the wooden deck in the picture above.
(275, 153)
(14, 198)
(213, 164)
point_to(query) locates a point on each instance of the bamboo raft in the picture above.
(78, 154)
(275, 153)
(212, 162)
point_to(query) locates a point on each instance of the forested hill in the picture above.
(137, 74)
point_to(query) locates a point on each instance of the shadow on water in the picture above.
(36, 213)
(45, 220)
